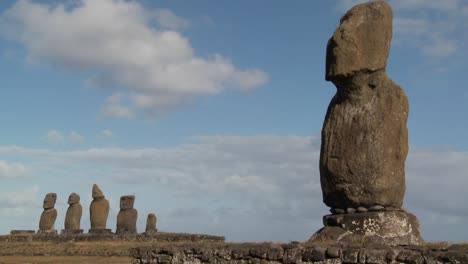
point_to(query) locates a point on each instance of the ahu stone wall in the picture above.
(297, 253)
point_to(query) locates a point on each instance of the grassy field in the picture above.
(63, 260)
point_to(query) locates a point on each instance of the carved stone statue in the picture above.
(151, 224)
(98, 211)
(73, 216)
(364, 135)
(49, 215)
(127, 217)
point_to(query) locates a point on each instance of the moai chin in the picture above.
(127, 216)
(151, 224)
(99, 212)
(49, 215)
(73, 216)
(364, 135)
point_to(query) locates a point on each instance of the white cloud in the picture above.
(106, 133)
(19, 199)
(9, 170)
(232, 184)
(128, 47)
(114, 108)
(75, 138)
(54, 137)
(57, 137)
(169, 20)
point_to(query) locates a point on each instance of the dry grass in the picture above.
(95, 248)
(63, 259)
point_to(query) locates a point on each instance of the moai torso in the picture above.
(364, 135)
(74, 212)
(49, 215)
(99, 209)
(127, 217)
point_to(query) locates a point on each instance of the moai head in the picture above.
(97, 193)
(127, 201)
(361, 43)
(73, 199)
(49, 201)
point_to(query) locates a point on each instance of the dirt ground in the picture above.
(63, 260)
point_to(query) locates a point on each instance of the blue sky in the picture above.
(210, 111)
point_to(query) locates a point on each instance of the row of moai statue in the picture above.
(99, 212)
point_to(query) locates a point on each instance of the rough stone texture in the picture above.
(49, 215)
(387, 228)
(74, 212)
(99, 209)
(155, 237)
(22, 232)
(362, 41)
(268, 253)
(151, 223)
(364, 136)
(127, 216)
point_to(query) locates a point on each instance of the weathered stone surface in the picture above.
(364, 136)
(74, 212)
(99, 209)
(49, 215)
(49, 201)
(151, 223)
(388, 228)
(127, 216)
(22, 232)
(291, 253)
(362, 41)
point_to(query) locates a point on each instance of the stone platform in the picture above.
(307, 253)
(393, 228)
(87, 237)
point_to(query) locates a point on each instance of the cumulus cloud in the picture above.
(57, 137)
(114, 108)
(54, 137)
(106, 133)
(10, 170)
(75, 139)
(251, 187)
(128, 47)
(433, 27)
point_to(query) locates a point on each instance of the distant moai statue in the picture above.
(127, 217)
(151, 224)
(364, 135)
(99, 212)
(49, 215)
(73, 216)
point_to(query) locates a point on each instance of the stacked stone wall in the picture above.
(297, 253)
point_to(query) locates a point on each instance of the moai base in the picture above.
(100, 231)
(22, 232)
(71, 232)
(391, 228)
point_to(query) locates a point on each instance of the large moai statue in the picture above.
(49, 215)
(127, 216)
(151, 224)
(73, 216)
(364, 135)
(99, 212)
